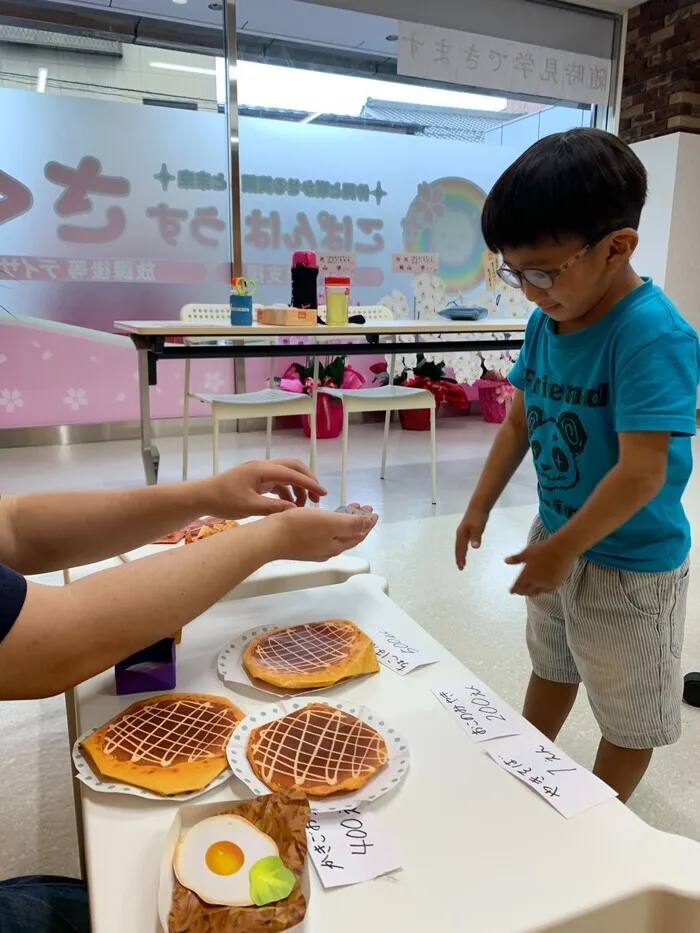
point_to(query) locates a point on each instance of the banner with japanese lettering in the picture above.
(502, 65)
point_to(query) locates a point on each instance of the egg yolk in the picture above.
(224, 858)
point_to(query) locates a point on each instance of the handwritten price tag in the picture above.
(490, 264)
(480, 712)
(415, 263)
(396, 654)
(567, 786)
(349, 847)
(337, 263)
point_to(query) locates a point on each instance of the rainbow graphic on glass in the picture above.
(445, 218)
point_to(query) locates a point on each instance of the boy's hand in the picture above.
(241, 492)
(317, 535)
(546, 566)
(469, 534)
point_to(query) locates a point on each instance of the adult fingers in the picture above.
(294, 473)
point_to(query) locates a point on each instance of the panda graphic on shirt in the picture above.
(556, 445)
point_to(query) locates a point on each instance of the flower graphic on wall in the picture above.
(213, 381)
(11, 399)
(75, 399)
(445, 218)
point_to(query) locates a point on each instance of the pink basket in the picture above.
(494, 412)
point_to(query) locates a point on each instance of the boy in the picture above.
(606, 398)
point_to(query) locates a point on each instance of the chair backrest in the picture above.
(368, 312)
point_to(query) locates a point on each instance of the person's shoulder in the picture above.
(535, 323)
(650, 316)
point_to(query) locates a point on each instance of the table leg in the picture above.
(149, 452)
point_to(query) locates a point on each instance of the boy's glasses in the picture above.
(538, 278)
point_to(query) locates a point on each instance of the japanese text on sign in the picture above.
(394, 653)
(349, 847)
(337, 263)
(479, 712)
(499, 64)
(567, 786)
(416, 263)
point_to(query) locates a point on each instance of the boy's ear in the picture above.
(621, 245)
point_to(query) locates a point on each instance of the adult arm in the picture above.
(64, 635)
(53, 531)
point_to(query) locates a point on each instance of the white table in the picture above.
(481, 852)
(149, 338)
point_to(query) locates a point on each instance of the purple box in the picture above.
(149, 671)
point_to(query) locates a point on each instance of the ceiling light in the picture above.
(187, 68)
(183, 2)
(42, 75)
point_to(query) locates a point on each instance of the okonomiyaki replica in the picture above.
(239, 871)
(317, 749)
(204, 527)
(170, 744)
(317, 654)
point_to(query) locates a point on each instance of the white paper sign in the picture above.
(415, 263)
(567, 786)
(396, 654)
(499, 64)
(349, 847)
(337, 263)
(480, 712)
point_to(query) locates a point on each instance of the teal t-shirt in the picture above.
(637, 369)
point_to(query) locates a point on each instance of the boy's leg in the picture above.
(621, 768)
(625, 630)
(554, 680)
(548, 704)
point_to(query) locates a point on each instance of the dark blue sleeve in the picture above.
(13, 592)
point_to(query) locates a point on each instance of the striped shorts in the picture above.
(621, 634)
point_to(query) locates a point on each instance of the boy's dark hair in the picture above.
(580, 184)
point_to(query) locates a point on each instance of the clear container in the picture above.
(337, 300)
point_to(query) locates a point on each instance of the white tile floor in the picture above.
(471, 613)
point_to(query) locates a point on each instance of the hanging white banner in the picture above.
(502, 65)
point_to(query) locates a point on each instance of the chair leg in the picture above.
(215, 441)
(344, 456)
(186, 423)
(268, 442)
(387, 422)
(313, 442)
(433, 455)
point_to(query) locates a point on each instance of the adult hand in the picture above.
(241, 492)
(546, 566)
(317, 535)
(469, 534)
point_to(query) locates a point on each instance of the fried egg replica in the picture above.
(226, 861)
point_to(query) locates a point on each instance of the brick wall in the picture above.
(661, 84)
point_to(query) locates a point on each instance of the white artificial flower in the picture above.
(493, 360)
(10, 399)
(75, 399)
(467, 367)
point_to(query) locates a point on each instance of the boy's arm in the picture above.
(638, 476)
(505, 457)
(53, 531)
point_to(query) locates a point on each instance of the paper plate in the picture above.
(229, 664)
(384, 781)
(90, 779)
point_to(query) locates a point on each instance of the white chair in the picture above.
(266, 403)
(383, 398)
